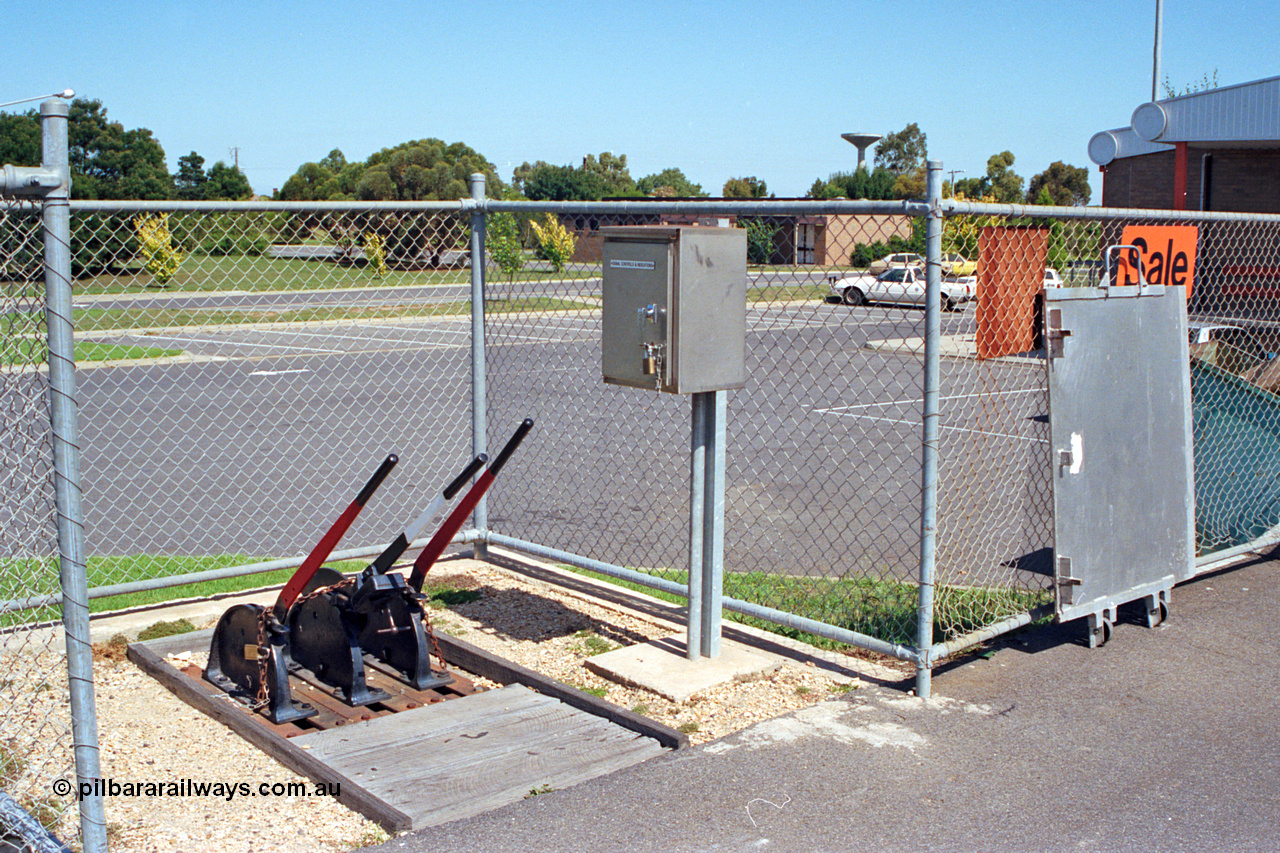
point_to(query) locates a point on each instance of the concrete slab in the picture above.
(662, 667)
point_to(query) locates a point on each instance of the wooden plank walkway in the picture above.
(423, 758)
(467, 756)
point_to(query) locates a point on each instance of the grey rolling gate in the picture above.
(1120, 427)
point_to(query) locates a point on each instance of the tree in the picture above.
(751, 187)
(20, 139)
(226, 182)
(904, 152)
(563, 183)
(555, 243)
(760, 237)
(526, 170)
(1004, 184)
(911, 184)
(970, 188)
(109, 162)
(855, 185)
(1000, 184)
(502, 241)
(424, 169)
(155, 242)
(188, 183)
(669, 183)
(1067, 186)
(335, 161)
(612, 169)
(312, 182)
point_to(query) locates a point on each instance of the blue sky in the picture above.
(718, 89)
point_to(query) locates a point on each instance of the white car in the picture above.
(905, 285)
(898, 260)
(1237, 341)
(1051, 277)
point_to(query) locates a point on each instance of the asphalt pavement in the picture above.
(1164, 739)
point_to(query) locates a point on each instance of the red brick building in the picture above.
(1213, 150)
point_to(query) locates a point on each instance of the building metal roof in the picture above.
(1242, 116)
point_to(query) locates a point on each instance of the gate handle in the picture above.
(1106, 282)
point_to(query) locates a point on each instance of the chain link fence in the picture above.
(823, 484)
(35, 724)
(242, 373)
(242, 368)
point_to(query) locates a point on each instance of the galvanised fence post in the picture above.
(66, 462)
(479, 424)
(930, 417)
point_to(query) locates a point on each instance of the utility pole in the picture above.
(235, 152)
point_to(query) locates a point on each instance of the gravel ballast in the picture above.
(515, 611)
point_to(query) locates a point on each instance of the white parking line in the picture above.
(337, 336)
(836, 410)
(946, 427)
(229, 343)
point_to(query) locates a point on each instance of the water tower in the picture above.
(861, 141)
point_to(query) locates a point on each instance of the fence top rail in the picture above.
(747, 207)
(742, 207)
(125, 206)
(951, 207)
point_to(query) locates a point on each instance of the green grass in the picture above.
(263, 274)
(882, 609)
(592, 644)
(120, 319)
(789, 293)
(441, 595)
(95, 351)
(105, 571)
(25, 351)
(166, 629)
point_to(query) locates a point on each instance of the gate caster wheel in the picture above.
(1099, 629)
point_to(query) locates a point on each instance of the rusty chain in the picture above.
(264, 650)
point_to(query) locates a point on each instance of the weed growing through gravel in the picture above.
(115, 649)
(166, 629)
(447, 597)
(372, 835)
(592, 644)
(46, 810)
(11, 767)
